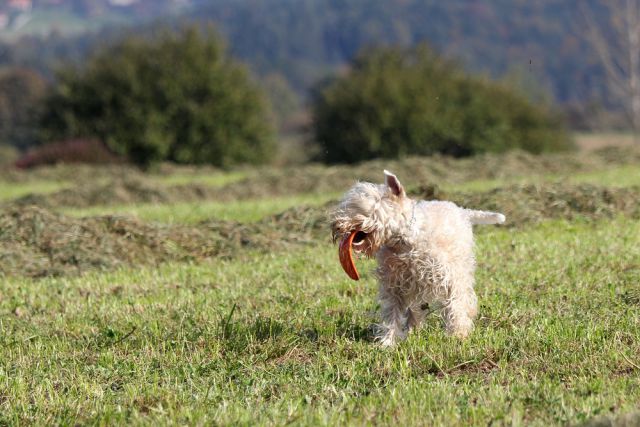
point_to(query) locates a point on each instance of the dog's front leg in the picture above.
(393, 313)
(416, 315)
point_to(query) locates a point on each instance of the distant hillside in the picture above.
(304, 38)
(536, 43)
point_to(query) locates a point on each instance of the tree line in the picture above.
(306, 40)
(179, 96)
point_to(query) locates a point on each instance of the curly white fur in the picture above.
(424, 251)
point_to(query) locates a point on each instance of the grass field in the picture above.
(284, 337)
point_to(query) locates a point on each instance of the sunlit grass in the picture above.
(622, 176)
(285, 337)
(278, 338)
(12, 190)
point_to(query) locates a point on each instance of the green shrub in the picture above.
(397, 102)
(21, 93)
(175, 97)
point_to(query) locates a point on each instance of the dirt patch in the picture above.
(595, 141)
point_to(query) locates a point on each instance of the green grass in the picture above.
(193, 212)
(283, 338)
(621, 176)
(11, 190)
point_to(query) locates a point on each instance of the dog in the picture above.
(424, 251)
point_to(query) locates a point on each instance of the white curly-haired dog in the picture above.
(424, 251)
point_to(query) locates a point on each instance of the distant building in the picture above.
(123, 3)
(21, 5)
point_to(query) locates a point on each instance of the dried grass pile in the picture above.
(425, 170)
(524, 204)
(91, 186)
(119, 192)
(37, 242)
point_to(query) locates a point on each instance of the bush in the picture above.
(21, 94)
(70, 151)
(398, 102)
(175, 97)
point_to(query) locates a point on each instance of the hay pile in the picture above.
(123, 185)
(119, 192)
(37, 242)
(70, 172)
(422, 170)
(526, 204)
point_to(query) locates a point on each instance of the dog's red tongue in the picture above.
(346, 256)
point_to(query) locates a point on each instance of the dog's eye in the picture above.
(359, 237)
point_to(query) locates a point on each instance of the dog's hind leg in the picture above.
(461, 307)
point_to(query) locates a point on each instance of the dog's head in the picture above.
(368, 216)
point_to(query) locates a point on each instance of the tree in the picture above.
(21, 93)
(615, 37)
(174, 97)
(397, 102)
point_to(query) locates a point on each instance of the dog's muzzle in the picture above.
(345, 252)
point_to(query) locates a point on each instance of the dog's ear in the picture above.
(393, 183)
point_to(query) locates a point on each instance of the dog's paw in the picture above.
(387, 341)
(461, 328)
(388, 337)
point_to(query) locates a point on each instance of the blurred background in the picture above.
(232, 82)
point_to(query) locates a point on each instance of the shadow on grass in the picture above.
(624, 420)
(354, 331)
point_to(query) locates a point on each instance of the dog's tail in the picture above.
(484, 217)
